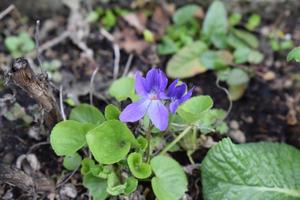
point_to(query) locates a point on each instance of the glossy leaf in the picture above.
(67, 137)
(170, 182)
(257, 171)
(186, 62)
(110, 142)
(86, 113)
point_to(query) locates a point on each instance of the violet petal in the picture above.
(135, 111)
(158, 115)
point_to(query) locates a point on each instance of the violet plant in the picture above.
(114, 159)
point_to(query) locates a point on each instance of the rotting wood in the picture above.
(30, 183)
(36, 87)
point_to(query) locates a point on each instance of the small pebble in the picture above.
(234, 125)
(238, 136)
(69, 190)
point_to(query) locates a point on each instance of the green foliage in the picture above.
(86, 113)
(193, 109)
(294, 55)
(137, 167)
(186, 62)
(111, 112)
(67, 137)
(185, 14)
(148, 36)
(19, 45)
(215, 22)
(72, 162)
(170, 182)
(117, 188)
(96, 186)
(234, 19)
(110, 142)
(253, 22)
(262, 171)
(122, 89)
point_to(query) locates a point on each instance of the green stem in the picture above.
(148, 137)
(177, 139)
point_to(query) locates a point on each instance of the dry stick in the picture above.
(37, 36)
(116, 60)
(39, 89)
(92, 85)
(61, 104)
(128, 64)
(6, 11)
(51, 43)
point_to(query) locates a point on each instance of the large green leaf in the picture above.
(193, 109)
(67, 137)
(110, 142)
(215, 22)
(170, 182)
(258, 171)
(86, 113)
(186, 62)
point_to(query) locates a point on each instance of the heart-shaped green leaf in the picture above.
(110, 142)
(192, 109)
(258, 171)
(137, 167)
(86, 113)
(186, 62)
(67, 137)
(170, 182)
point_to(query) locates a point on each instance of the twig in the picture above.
(107, 35)
(92, 84)
(61, 104)
(128, 64)
(6, 11)
(37, 36)
(116, 61)
(51, 43)
(37, 145)
(67, 179)
(228, 97)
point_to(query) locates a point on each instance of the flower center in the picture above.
(153, 96)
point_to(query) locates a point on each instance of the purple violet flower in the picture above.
(177, 94)
(151, 89)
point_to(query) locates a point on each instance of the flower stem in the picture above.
(148, 137)
(177, 139)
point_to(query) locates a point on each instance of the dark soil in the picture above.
(262, 113)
